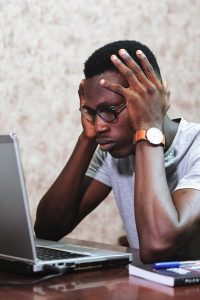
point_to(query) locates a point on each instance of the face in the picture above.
(115, 137)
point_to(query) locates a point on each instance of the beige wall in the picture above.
(43, 45)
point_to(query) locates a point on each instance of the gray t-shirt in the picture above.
(182, 164)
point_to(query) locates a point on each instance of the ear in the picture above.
(80, 91)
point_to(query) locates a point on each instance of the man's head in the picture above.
(99, 61)
(115, 136)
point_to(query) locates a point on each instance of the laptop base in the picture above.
(28, 269)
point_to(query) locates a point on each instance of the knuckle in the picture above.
(129, 73)
(149, 68)
(128, 58)
(136, 69)
(144, 91)
(151, 90)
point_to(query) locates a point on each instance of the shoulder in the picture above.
(187, 133)
(185, 146)
(189, 128)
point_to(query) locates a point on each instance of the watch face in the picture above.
(154, 136)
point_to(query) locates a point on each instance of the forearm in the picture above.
(157, 218)
(57, 210)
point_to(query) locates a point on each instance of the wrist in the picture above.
(152, 135)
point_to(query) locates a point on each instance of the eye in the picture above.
(88, 110)
(105, 109)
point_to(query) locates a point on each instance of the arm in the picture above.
(73, 195)
(164, 221)
(169, 220)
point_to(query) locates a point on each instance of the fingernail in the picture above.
(102, 81)
(122, 52)
(139, 52)
(113, 57)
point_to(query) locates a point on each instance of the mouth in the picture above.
(105, 144)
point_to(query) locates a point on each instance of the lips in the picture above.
(105, 144)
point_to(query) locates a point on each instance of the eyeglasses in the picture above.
(106, 113)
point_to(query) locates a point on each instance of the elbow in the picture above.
(51, 229)
(150, 255)
(153, 254)
(41, 232)
(51, 224)
(47, 226)
(49, 233)
(159, 249)
(165, 243)
(45, 232)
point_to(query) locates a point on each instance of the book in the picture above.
(162, 291)
(173, 276)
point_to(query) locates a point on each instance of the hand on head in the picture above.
(146, 96)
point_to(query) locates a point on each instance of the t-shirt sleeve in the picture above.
(98, 168)
(192, 178)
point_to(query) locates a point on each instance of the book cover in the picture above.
(184, 275)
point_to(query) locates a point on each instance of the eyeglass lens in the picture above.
(108, 114)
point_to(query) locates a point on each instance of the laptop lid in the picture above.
(16, 235)
(17, 242)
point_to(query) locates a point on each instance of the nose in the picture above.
(100, 125)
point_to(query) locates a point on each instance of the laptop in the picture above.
(20, 251)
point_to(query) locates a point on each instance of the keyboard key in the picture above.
(44, 253)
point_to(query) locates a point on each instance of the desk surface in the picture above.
(95, 285)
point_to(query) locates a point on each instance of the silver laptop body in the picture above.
(17, 242)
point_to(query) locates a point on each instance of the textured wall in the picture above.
(43, 45)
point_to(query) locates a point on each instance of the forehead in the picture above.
(95, 94)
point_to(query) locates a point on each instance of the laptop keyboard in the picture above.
(44, 253)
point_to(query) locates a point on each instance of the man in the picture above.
(130, 145)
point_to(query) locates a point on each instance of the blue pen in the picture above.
(175, 264)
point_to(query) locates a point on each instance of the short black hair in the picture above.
(99, 62)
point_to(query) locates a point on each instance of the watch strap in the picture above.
(140, 135)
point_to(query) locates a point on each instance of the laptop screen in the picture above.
(16, 235)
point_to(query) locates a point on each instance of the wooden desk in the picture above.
(113, 284)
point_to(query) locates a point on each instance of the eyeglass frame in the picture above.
(116, 110)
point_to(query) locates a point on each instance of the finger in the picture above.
(129, 61)
(148, 69)
(125, 71)
(127, 94)
(114, 87)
